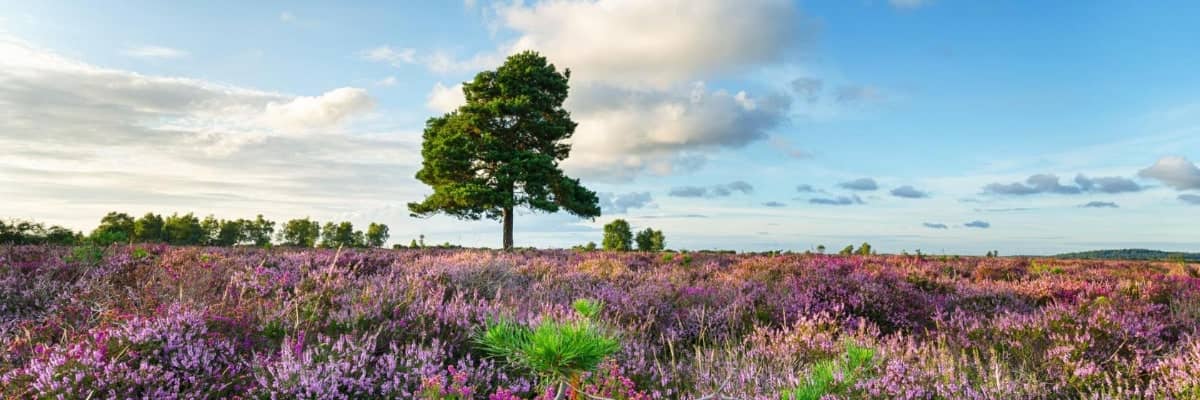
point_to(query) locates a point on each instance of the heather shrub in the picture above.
(160, 321)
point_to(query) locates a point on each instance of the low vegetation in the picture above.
(161, 321)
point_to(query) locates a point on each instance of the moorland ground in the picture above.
(155, 321)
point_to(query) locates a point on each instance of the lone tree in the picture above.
(501, 149)
(650, 240)
(617, 236)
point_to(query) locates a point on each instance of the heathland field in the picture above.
(153, 321)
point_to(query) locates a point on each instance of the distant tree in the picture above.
(259, 231)
(617, 236)
(62, 236)
(29, 232)
(377, 235)
(340, 235)
(115, 227)
(865, 249)
(148, 228)
(820, 249)
(211, 227)
(650, 240)
(300, 233)
(501, 149)
(183, 230)
(231, 232)
(848, 250)
(328, 235)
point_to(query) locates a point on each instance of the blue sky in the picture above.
(705, 119)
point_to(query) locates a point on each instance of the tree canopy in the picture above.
(501, 149)
(617, 236)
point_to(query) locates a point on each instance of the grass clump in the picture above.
(557, 352)
(836, 377)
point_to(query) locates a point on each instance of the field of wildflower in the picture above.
(158, 322)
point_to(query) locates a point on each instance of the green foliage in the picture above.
(865, 249)
(148, 228)
(650, 240)
(28, 232)
(617, 236)
(258, 232)
(588, 308)
(300, 233)
(341, 235)
(377, 235)
(501, 149)
(835, 377)
(211, 226)
(184, 230)
(114, 227)
(553, 350)
(590, 246)
(848, 250)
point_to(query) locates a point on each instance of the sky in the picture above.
(953, 127)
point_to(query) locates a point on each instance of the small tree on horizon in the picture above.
(650, 240)
(377, 235)
(617, 236)
(848, 250)
(501, 149)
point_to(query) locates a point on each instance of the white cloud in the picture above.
(658, 43)
(80, 140)
(317, 112)
(395, 57)
(445, 99)
(160, 52)
(1175, 171)
(622, 133)
(387, 82)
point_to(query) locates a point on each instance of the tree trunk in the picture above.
(508, 228)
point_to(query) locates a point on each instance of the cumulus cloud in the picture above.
(624, 132)
(160, 52)
(932, 225)
(91, 137)
(642, 106)
(1176, 172)
(1050, 183)
(861, 184)
(1099, 204)
(806, 188)
(774, 204)
(445, 99)
(1190, 199)
(685, 44)
(909, 192)
(836, 201)
(621, 203)
(721, 190)
(306, 113)
(978, 224)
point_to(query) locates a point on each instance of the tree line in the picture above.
(619, 236)
(190, 230)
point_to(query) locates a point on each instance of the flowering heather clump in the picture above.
(154, 321)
